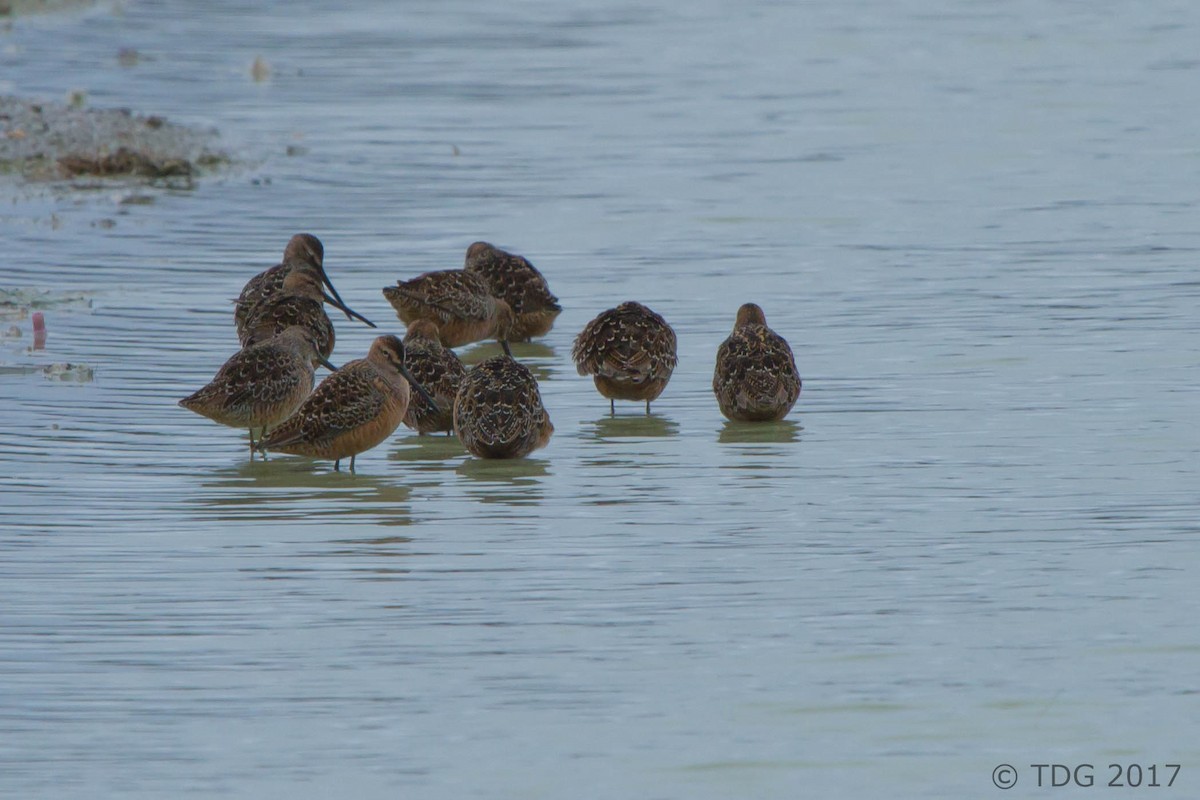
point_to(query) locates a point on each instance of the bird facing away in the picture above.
(436, 368)
(261, 385)
(303, 248)
(299, 302)
(459, 302)
(755, 379)
(630, 352)
(353, 410)
(498, 411)
(514, 280)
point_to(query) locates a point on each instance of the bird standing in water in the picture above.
(498, 412)
(300, 301)
(261, 385)
(459, 302)
(438, 369)
(353, 410)
(755, 379)
(303, 248)
(514, 280)
(630, 351)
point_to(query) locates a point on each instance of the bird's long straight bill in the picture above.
(336, 302)
(329, 285)
(420, 389)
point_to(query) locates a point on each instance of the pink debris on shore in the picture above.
(39, 330)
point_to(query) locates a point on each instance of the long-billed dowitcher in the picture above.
(459, 302)
(353, 410)
(755, 379)
(303, 248)
(630, 352)
(514, 280)
(498, 412)
(300, 302)
(438, 369)
(261, 385)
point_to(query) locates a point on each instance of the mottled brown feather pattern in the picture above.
(347, 399)
(436, 368)
(260, 385)
(629, 350)
(300, 302)
(514, 280)
(303, 248)
(755, 378)
(263, 286)
(442, 296)
(498, 412)
(459, 302)
(353, 410)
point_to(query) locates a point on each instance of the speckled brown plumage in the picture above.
(498, 412)
(459, 302)
(630, 352)
(514, 280)
(303, 248)
(353, 410)
(261, 385)
(756, 377)
(299, 302)
(438, 369)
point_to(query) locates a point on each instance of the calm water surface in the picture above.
(971, 543)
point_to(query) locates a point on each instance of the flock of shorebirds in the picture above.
(495, 408)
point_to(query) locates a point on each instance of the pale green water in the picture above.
(971, 543)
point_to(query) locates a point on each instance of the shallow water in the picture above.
(968, 544)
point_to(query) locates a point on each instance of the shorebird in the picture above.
(303, 248)
(459, 302)
(438, 369)
(353, 410)
(498, 411)
(514, 280)
(756, 377)
(630, 352)
(261, 385)
(300, 301)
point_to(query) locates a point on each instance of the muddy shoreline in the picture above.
(42, 142)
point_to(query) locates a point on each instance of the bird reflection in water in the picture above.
(647, 426)
(300, 491)
(426, 460)
(781, 432)
(514, 482)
